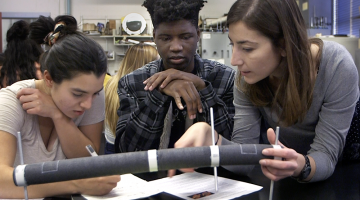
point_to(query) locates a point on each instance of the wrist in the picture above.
(301, 163)
(305, 170)
(201, 85)
(58, 116)
(75, 187)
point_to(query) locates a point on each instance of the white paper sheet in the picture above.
(194, 184)
(129, 187)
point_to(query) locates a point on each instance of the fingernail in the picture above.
(200, 110)
(145, 88)
(151, 87)
(262, 162)
(265, 151)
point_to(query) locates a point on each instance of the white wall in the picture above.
(110, 9)
(212, 9)
(55, 7)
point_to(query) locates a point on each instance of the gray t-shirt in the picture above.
(323, 132)
(14, 118)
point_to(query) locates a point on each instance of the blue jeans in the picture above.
(109, 148)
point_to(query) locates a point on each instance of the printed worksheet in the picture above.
(129, 187)
(197, 185)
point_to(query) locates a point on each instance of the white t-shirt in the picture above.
(13, 118)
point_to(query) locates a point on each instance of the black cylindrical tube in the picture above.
(136, 162)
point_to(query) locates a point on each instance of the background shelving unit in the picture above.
(116, 43)
(127, 40)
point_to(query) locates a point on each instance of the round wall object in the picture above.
(134, 24)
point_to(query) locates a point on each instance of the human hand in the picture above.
(165, 77)
(97, 186)
(36, 102)
(278, 169)
(181, 89)
(197, 135)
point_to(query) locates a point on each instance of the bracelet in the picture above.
(217, 139)
(305, 172)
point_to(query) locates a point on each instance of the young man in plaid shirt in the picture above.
(159, 101)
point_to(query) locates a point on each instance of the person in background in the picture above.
(153, 116)
(308, 87)
(135, 57)
(56, 116)
(21, 56)
(106, 79)
(2, 59)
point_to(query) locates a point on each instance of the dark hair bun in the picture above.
(40, 28)
(19, 31)
(70, 21)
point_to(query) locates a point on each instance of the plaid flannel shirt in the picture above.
(142, 113)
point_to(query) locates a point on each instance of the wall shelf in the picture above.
(123, 40)
(115, 43)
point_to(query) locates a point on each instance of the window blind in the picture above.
(348, 17)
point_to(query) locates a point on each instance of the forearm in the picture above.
(323, 166)
(9, 190)
(72, 139)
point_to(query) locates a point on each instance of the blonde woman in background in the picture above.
(135, 57)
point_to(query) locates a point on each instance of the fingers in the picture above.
(178, 102)
(165, 82)
(162, 79)
(25, 91)
(171, 173)
(27, 94)
(199, 105)
(288, 154)
(113, 179)
(153, 81)
(109, 182)
(97, 186)
(192, 99)
(184, 90)
(187, 170)
(272, 137)
(29, 100)
(271, 175)
(278, 169)
(31, 108)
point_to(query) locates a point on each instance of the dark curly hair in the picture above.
(2, 58)
(20, 55)
(173, 10)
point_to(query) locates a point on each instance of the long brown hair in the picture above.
(282, 22)
(135, 57)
